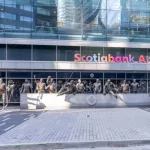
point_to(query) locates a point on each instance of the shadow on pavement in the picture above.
(10, 120)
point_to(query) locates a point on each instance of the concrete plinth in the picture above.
(54, 102)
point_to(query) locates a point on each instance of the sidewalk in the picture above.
(76, 128)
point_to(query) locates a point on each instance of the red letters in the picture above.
(77, 58)
(142, 59)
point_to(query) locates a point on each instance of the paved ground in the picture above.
(84, 125)
(115, 148)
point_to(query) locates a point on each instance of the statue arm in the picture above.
(22, 88)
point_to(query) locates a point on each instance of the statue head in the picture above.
(134, 80)
(97, 80)
(108, 80)
(26, 81)
(79, 81)
(72, 81)
(124, 81)
(59, 81)
(41, 80)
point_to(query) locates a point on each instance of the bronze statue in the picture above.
(97, 86)
(110, 88)
(125, 87)
(59, 85)
(3, 93)
(26, 87)
(134, 86)
(41, 86)
(87, 87)
(51, 86)
(68, 88)
(10, 90)
(80, 87)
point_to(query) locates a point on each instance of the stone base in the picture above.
(54, 102)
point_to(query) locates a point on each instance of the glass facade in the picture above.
(95, 20)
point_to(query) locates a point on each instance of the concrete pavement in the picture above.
(75, 128)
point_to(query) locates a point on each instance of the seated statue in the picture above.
(68, 88)
(110, 88)
(26, 87)
(125, 87)
(97, 87)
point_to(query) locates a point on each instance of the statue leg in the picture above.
(4, 100)
(112, 93)
(64, 92)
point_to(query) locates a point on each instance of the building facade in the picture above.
(72, 39)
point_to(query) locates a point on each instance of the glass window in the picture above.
(136, 52)
(27, 8)
(111, 4)
(92, 75)
(43, 11)
(19, 52)
(66, 53)
(28, 19)
(44, 74)
(2, 52)
(139, 4)
(110, 75)
(68, 75)
(44, 53)
(90, 51)
(136, 75)
(19, 74)
(114, 51)
(7, 16)
(2, 74)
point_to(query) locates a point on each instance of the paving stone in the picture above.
(75, 126)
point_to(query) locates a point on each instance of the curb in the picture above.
(66, 145)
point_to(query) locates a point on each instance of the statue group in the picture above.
(69, 87)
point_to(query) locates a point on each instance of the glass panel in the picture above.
(94, 23)
(19, 52)
(45, 22)
(139, 4)
(68, 75)
(136, 52)
(117, 25)
(90, 51)
(2, 74)
(19, 74)
(66, 53)
(44, 74)
(114, 51)
(2, 52)
(44, 53)
(91, 75)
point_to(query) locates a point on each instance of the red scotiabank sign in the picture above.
(109, 58)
